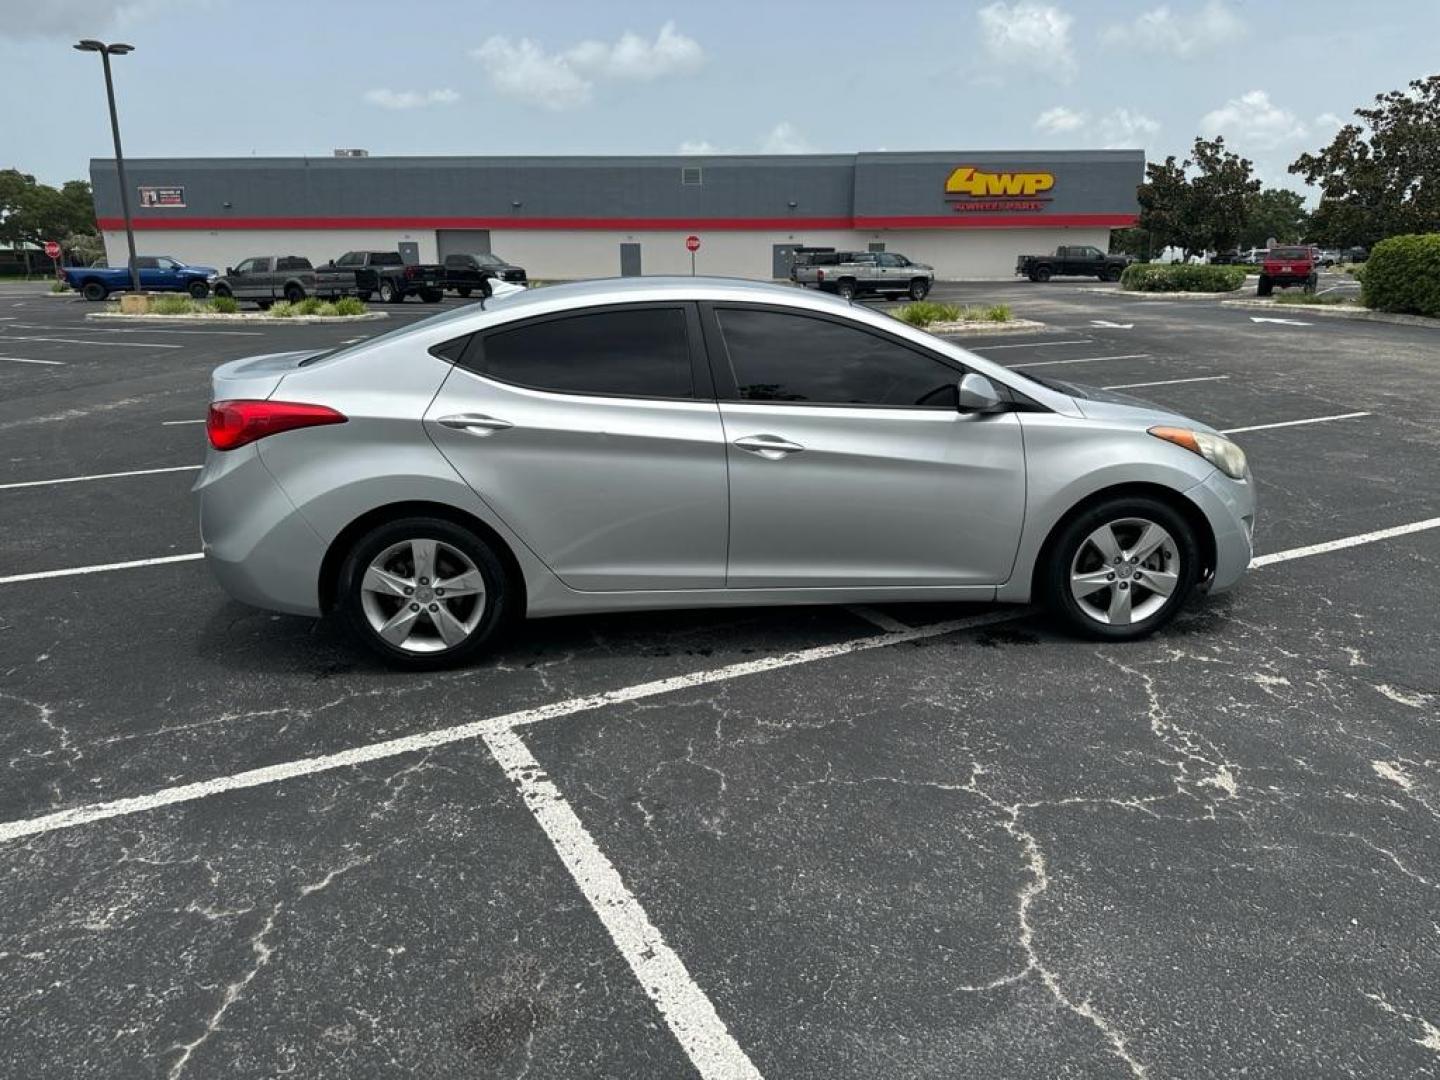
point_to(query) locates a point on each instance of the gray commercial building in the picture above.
(967, 213)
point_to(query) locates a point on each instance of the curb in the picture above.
(1336, 311)
(1135, 294)
(959, 329)
(243, 317)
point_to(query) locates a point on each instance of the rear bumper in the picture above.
(261, 551)
(1229, 507)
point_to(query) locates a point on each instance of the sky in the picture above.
(218, 78)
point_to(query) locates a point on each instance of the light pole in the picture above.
(106, 51)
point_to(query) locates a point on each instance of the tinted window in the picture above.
(291, 262)
(638, 353)
(489, 260)
(147, 262)
(457, 260)
(781, 357)
(1290, 253)
(386, 258)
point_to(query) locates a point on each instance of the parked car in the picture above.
(158, 273)
(1292, 264)
(854, 273)
(386, 274)
(268, 278)
(647, 443)
(1329, 257)
(1072, 261)
(467, 274)
(1356, 254)
(1227, 258)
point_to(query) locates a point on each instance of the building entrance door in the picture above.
(629, 260)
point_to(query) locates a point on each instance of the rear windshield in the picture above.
(386, 258)
(1289, 253)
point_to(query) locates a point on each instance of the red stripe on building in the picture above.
(147, 221)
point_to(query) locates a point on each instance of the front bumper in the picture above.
(256, 543)
(1229, 507)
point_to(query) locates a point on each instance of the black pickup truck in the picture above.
(268, 278)
(385, 273)
(1074, 261)
(473, 273)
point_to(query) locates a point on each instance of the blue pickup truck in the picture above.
(158, 273)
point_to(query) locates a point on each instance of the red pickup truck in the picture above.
(1284, 266)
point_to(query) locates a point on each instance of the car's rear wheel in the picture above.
(919, 289)
(1311, 282)
(294, 293)
(95, 291)
(845, 290)
(1042, 273)
(1265, 287)
(389, 294)
(198, 290)
(423, 593)
(1122, 569)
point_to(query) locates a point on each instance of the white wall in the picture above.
(585, 253)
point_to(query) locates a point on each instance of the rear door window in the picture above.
(633, 352)
(784, 357)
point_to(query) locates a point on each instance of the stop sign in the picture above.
(52, 249)
(692, 243)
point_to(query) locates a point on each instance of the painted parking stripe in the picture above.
(102, 344)
(875, 617)
(99, 476)
(176, 423)
(1295, 423)
(145, 330)
(1344, 542)
(1029, 345)
(22, 360)
(100, 568)
(1164, 382)
(1080, 360)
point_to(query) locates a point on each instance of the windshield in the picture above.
(489, 260)
(1289, 253)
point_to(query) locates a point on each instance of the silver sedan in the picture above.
(675, 443)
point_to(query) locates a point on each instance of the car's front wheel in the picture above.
(919, 289)
(423, 593)
(198, 290)
(1122, 569)
(94, 291)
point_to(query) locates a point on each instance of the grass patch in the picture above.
(59, 287)
(350, 305)
(173, 305)
(224, 305)
(1304, 299)
(1181, 277)
(923, 313)
(284, 310)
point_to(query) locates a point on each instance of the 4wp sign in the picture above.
(969, 189)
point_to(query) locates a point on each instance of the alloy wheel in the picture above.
(1125, 571)
(423, 595)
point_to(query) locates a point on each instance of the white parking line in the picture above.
(1345, 542)
(22, 360)
(73, 571)
(1030, 345)
(98, 476)
(1080, 360)
(102, 344)
(877, 618)
(176, 423)
(145, 330)
(1164, 382)
(1294, 423)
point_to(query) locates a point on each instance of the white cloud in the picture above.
(410, 99)
(1126, 129)
(1252, 121)
(784, 138)
(698, 147)
(1059, 120)
(1183, 34)
(1027, 34)
(633, 57)
(565, 80)
(77, 18)
(523, 70)
(1329, 119)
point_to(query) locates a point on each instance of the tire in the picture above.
(1110, 273)
(1310, 283)
(465, 291)
(198, 290)
(222, 292)
(1087, 589)
(1042, 273)
(476, 619)
(432, 296)
(1265, 287)
(294, 293)
(94, 291)
(919, 289)
(389, 294)
(845, 290)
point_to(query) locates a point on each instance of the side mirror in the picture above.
(228, 271)
(978, 395)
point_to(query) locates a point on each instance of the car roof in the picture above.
(638, 289)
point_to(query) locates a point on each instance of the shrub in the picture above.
(172, 305)
(997, 313)
(924, 312)
(1403, 275)
(284, 310)
(349, 305)
(327, 308)
(225, 305)
(1181, 277)
(59, 287)
(1309, 299)
(309, 306)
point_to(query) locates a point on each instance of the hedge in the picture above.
(1403, 275)
(1181, 277)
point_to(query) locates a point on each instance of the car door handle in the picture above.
(475, 423)
(770, 447)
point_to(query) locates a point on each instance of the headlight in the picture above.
(1216, 449)
(212, 277)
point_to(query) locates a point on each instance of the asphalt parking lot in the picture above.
(917, 841)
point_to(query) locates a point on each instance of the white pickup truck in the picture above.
(852, 273)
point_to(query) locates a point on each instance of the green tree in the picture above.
(1164, 200)
(1275, 213)
(31, 212)
(1220, 195)
(1380, 176)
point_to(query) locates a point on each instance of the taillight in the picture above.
(232, 424)
(819, 275)
(411, 271)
